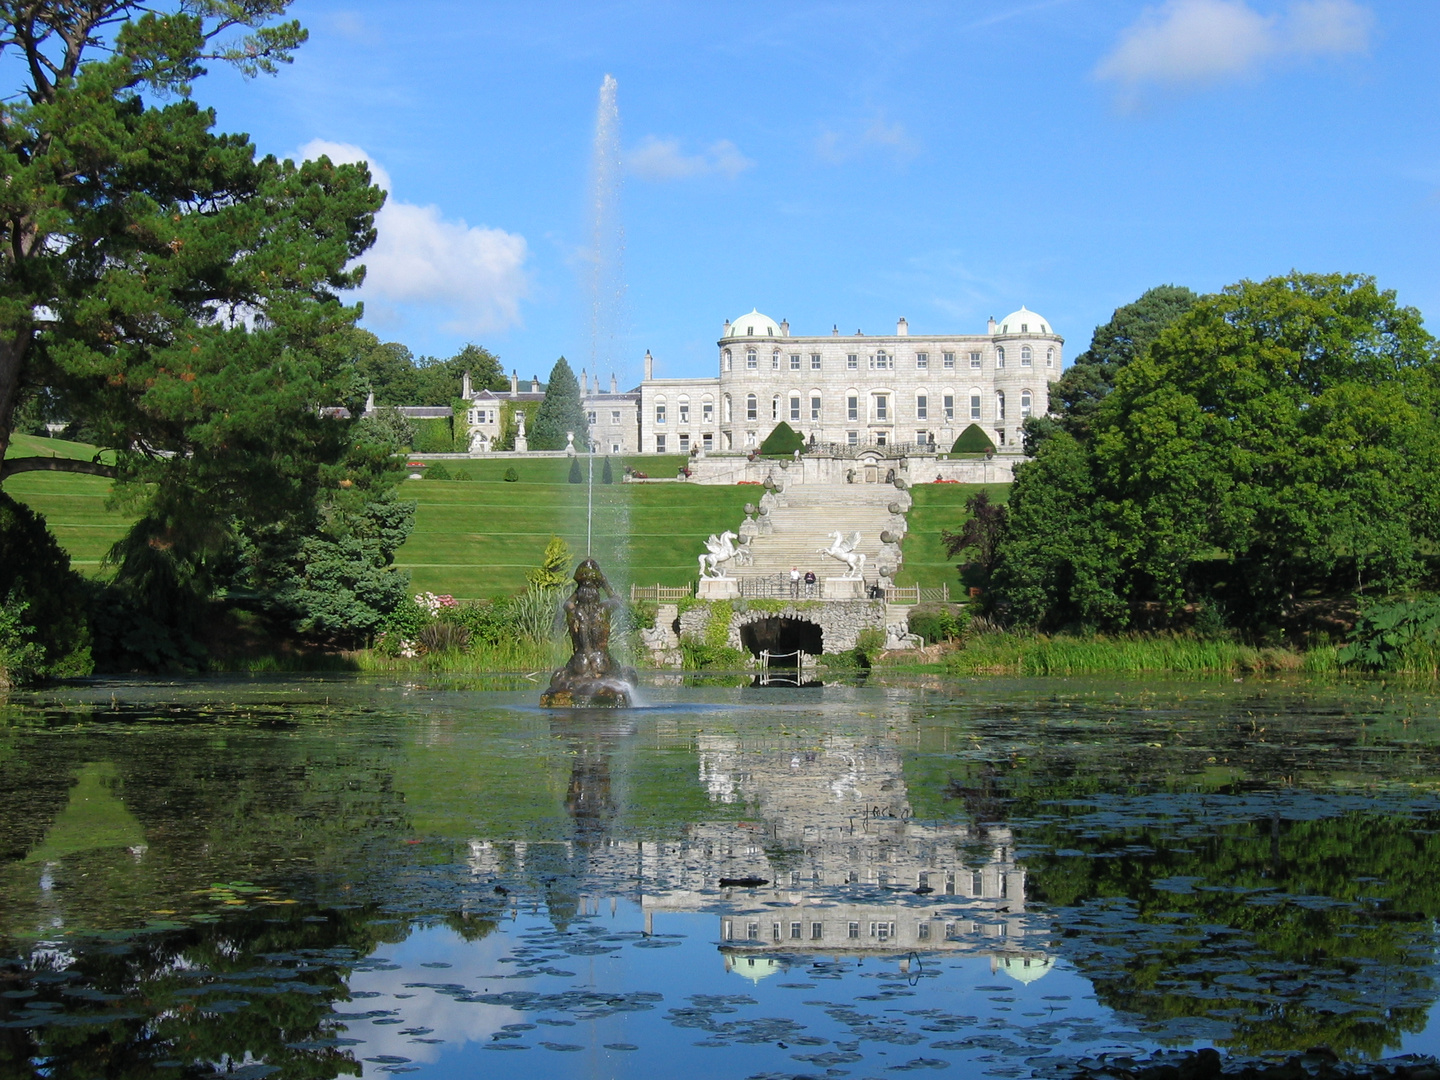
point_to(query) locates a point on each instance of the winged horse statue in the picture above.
(843, 547)
(722, 550)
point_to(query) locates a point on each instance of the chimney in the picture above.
(726, 331)
(465, 390)
(534, 384)
(834, 330)
(514, 383)
(990, 329)
(614, 384)
(784, 327)
(649, 366)
(584, 383)
(902, 328)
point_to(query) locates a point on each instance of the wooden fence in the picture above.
(661, 594)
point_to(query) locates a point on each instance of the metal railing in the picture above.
(661, 594)
(916, 594)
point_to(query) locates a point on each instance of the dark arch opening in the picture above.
(782, 635)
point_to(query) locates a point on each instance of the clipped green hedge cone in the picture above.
(973, 440)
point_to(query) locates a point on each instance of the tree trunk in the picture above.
(14, 348)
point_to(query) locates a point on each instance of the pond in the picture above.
(339, 876)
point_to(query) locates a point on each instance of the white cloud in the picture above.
(841, 146)
(472, 275)
(1189, 42)
(662, 159)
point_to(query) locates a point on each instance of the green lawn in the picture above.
(478, 537)
(74, 506)
(938, 507)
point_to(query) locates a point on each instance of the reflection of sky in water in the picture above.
(803, 1015)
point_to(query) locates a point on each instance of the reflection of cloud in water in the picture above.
(456, 1022)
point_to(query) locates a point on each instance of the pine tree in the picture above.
(561, 411)
(607, 477)
(553, 571)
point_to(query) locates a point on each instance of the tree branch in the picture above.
(14, 466)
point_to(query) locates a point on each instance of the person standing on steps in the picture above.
(795, 582)
(810, 583)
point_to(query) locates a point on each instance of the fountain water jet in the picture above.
(592, 679)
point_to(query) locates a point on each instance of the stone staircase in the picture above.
(801, 518)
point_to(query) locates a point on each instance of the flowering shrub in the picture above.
(432, 605)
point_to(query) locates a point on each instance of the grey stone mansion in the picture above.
(858, 390)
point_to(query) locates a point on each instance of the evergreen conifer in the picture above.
(973, 440)
(783, 440)
(561, 411)
(607, 477)
(576, 476)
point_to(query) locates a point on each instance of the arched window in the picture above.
(707, 410)
(922, 406)
(728, 358)
(775, 407)
(795, 407)
(1027, 356)
(684, 404)
(775, 360)
(726, 409)
(1025, 403)
(999, 404)
(1049, 357)
(1000, 356)
(814, 406)
(659, 410)
(751, 406)
(751, 361)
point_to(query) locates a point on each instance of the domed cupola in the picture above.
(1024, 321)
(754, 325)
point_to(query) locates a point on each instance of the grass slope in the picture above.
(75, 506)
(478, 537)
(938, 507)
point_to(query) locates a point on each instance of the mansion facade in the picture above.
(852, 390)
(856, 390)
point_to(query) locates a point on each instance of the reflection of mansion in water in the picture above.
(848, 870)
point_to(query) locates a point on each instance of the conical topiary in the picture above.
(606, 476)
(576, 476)
(973, 440)
(784, 440)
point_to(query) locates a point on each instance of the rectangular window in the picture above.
(974, 406)
(795, 361)
(949, 361)
(614, 447)
(921, 438)
(707, 441)
(775, 931)
(775, 361)
(975, 360)
(922, 361)
(977, 884)
(752, 931)
(949, 402)
(854, 931)
(795, 931)
(659, 444)
(615, 416)
(590, 418)
(922, 408)
(852, 408)
(853, 438)
(882, 407)
(684, 413)
(795, 409)
(922, 931)
(751, 362)
(750, 407)
(775, 408)
(814, 408)
(707, 411)
(814, 361)
(881, 439)
(817, 931)
(684, 444)
(882, 931)
(852, 362)
(659, 414)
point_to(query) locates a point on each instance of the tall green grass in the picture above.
(1131, 654)
(520, 654)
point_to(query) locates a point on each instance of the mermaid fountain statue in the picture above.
(592, 679)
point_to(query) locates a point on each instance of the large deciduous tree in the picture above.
(160, 284)
(1287, 427)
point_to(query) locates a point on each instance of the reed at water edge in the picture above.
(1128, 654)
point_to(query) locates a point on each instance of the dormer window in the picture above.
(1024, 328)
(749, 331)
(770, 331)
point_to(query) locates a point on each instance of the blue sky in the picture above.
(847, 163)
